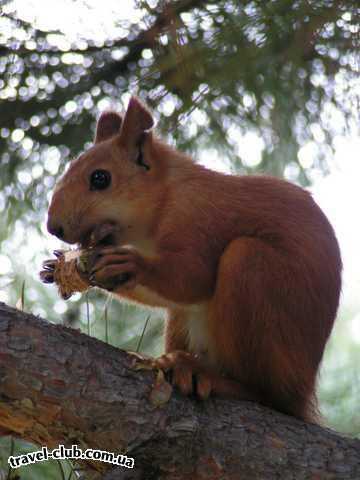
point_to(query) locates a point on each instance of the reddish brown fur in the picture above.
(251, 260)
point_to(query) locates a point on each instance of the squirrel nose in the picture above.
(55, 229)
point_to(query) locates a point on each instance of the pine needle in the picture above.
(61, 469)
(20, 304)
(23, 295)
(106, 317)
(88, 313)
(142, 334)
(12, 449)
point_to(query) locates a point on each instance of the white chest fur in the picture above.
(195, 321)
(199, 342)
(145, 296)
(193, 317)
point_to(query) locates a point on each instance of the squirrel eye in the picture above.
(100, 179)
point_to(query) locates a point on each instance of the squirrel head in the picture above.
(113, 182)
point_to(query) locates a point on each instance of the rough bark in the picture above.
(60, 386)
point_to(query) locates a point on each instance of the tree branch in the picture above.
(145, 39)
(60, 386)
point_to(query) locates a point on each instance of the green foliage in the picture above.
(340, 378)
(50, 470)
(212, 71)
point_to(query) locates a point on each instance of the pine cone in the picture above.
(68, 271)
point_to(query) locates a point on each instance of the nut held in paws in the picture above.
(68, 271)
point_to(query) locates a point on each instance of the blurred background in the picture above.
(244, 86)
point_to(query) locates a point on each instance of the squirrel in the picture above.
(247, 268)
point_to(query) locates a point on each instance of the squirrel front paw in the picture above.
(117, 267)
(186, 373)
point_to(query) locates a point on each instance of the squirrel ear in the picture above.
(136, 122)
(108, 125)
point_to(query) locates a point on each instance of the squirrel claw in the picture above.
(49, 265)
(47, 276)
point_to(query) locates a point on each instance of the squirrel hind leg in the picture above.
(290, 391)
(257, 320)
(228, 388)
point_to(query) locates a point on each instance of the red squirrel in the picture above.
(247, 268)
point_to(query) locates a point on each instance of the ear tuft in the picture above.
(136, 122)
(143, 115)
(108, 125)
